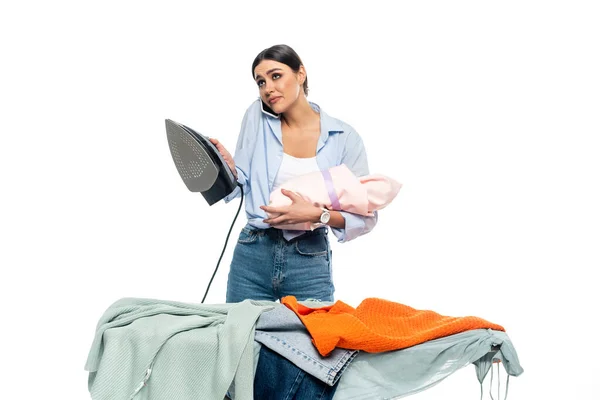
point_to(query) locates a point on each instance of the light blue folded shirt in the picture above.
(400, 373)
(259, 153)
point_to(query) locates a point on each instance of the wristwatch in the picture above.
(323, 219)
(325, 215)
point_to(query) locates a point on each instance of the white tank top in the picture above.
(292, 167)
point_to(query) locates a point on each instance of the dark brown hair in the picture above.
(284, 54)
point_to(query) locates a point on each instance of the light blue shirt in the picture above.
(259, 153)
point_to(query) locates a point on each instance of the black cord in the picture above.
(226, 240)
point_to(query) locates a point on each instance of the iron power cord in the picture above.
(226, 240)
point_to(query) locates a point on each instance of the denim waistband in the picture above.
(275, 233)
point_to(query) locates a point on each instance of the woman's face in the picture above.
(279, 86)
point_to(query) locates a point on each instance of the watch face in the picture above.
(325, 217)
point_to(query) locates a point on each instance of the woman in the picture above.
(282, 136)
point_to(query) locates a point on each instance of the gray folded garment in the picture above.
(399, 373)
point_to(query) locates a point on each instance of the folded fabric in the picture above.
(158, 350)
(281, 331)
(399, 373)
(277, 378)
(337, 188)
(378, 325)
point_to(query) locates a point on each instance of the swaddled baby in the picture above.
(338, 189)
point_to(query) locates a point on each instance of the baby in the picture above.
(337, 189)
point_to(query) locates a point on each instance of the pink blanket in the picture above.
(337, 189)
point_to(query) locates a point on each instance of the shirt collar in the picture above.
(329, 125)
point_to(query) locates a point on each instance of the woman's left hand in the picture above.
(298, 212)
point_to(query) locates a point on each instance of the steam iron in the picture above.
(199, 163)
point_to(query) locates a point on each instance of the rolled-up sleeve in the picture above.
(356, 225)
(355, 158)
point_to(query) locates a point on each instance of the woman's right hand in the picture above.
(225, 154)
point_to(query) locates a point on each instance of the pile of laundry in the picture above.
(146, 349)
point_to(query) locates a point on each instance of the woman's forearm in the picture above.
(336, 220)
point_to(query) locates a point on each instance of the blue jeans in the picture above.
(281, 331)
(265, 266)
(277, 378)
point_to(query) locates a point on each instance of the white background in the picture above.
(488, 113)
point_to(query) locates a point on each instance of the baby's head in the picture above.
(381, 190)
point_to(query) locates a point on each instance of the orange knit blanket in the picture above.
(377, 325)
